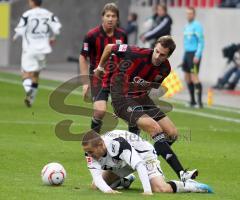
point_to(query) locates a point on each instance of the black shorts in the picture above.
(101, 94)
(131, 109)
(188, 65)
(97, 92)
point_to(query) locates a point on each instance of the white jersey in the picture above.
(123, 148)
(36, 26)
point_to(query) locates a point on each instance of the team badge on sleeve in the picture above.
(85, 46)
(118, 41)
(123, 47)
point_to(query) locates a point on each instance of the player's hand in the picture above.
(85, 91)
(113, 192)
(195, 60)
(98, 72)
(147, 193)
(52, 41)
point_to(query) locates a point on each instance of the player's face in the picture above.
(160, 54)
(190, 15)
(95, 151)
(109, 20)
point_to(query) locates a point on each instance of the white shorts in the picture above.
(152, 164)
(33, 62)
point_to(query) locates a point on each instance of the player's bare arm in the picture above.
(105, 56)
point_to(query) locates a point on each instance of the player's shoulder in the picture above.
(112, 145)
(120, 30)
(37, 11)
(93, 31)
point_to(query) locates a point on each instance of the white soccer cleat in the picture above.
(186, 175)
(194, 186)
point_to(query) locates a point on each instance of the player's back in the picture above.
(140, 145)
(35, 27)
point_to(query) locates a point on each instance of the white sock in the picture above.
(27, 84)
(34, 92)
(188, 186)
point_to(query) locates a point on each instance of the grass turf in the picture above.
(28, 142)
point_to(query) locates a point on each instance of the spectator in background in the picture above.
(38, 28)
(132, 29)
(161, 25)
(193, 47)
(224, 82)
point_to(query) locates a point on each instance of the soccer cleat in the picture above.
(127, 181)
(28, 99)
(195, 186)
(27, 102)
(186, 175)
(191, 105)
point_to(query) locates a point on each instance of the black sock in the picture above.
(191, 92)
(170, 140)
(162, 148)
(173, 185)
(96, 124)
(134, 129)
(199, 92)
(34, 85)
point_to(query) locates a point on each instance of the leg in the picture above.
(198, 87)
(98, 114)
(158, 184)
(190, 86)
(30, 84)
(187, 66)
(169, 128)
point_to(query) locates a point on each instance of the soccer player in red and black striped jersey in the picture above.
(146, 68)
(93, 45)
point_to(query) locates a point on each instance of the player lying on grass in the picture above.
(118, 153)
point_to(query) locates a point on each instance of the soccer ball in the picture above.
(53, 174)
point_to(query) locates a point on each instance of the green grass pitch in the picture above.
(28, 142)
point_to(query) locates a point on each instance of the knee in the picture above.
(99, 114)
(153, 128)
(172, 131)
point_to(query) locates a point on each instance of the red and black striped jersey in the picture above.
(96, 40)
(134, 70)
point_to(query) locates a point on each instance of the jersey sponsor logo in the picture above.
(85, 46)
(140, 81)
(123, 48)
(118, 41)
(89, 160)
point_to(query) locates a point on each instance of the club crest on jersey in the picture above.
(85, 46)
(118, 41)
(123, 48)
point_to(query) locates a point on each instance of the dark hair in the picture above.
(111, 7)
(134, 16)
(192, 9)
(92, 138)
(37, 2)
(167, 42)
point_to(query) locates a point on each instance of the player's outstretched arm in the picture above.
(105, 56)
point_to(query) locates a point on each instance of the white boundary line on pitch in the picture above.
(119, 126)
(214, 107)
(206, 115)
(175, 109)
